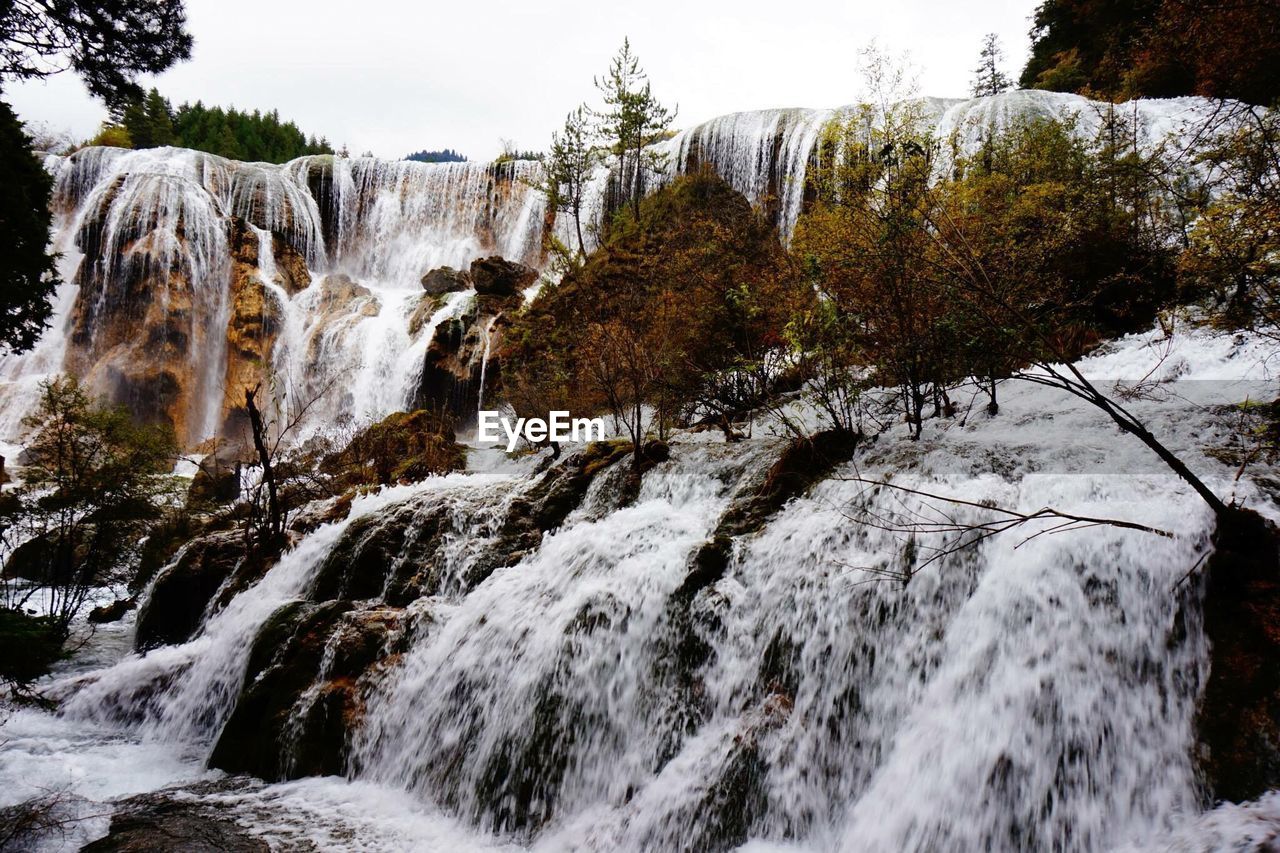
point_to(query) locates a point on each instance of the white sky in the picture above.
(394, 77)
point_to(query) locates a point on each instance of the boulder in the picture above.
(30, 560)
(496, 276)
(163, 822)
(217, 480)
(445, 280)
(338, 291)
(112, 612)
(183, 590)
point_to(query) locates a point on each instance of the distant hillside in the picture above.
(448, 155)
(151, 122)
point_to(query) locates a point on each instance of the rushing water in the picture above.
(1017, 694)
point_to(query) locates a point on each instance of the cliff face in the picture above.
(196, 277)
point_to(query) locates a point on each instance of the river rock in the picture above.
(496, 276)
(445, 280)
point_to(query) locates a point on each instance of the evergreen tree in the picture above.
(448, 155)
(632, 119)
(149, 121)
(568, 168)
(27, 275)
(108, 43)
(988, 79)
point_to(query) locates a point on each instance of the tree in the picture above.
(95, 483)
(1157, 48)
(632, 119)
(27, 276)
(668, 321)
(149, 121)
(568, 168)
(1233, 253)
(865, 241)
(988, 79)
(108, 43)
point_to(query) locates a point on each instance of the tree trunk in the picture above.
(275, 526)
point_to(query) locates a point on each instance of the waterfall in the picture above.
(182, 694)
(580, 691)
(146, 256)
(484, 362)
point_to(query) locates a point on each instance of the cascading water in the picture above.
(1016, 694)
(152, 227)
(484, 362)
(578, 690)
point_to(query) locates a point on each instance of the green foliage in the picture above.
(112, 135)
(149, 122)
(568, 168)
(94, 483)
(29, 646)
(448, 155)
(108, 43)
(1233, 254)
(988, 78)
(27, 276)
(630, 122)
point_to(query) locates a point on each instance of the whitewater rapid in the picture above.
(1024, 693)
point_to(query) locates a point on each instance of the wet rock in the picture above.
(1238, 721)
(422, 312)
(402, 447)
(161, 823)
(358, 566)
(544, 507)
(217, 479)
(317, 513)
(184, 590)
(303, 697)
(31, 560)
(112, 612)
(338, 292)
(496, 276)
(445, 280)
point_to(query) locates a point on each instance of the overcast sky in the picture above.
(394, 77)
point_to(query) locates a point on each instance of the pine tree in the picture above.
(632, 119)
(988, 79)
(568, 167)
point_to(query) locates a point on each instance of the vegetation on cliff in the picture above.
(149, 122)
(677, 308)
(1157, 48)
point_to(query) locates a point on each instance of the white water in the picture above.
(1016, 695)
(484, 363)
(1013, 696)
